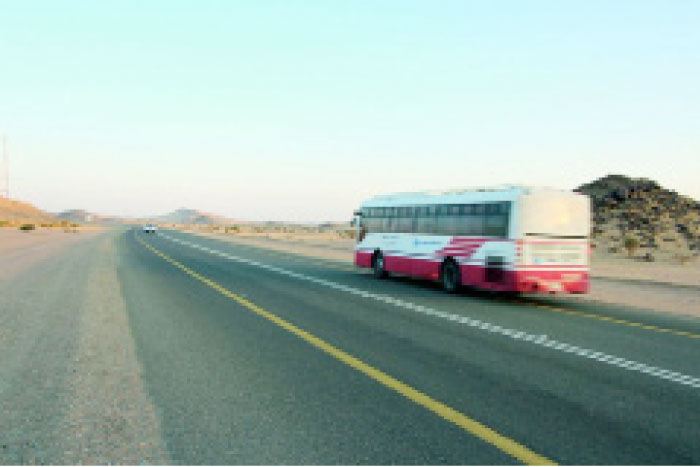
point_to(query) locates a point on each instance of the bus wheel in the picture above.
(450, 276)
(378, 265)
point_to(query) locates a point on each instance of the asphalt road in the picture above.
(249, 356)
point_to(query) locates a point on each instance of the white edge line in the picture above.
(536, 339)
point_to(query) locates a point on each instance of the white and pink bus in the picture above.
(510, 239)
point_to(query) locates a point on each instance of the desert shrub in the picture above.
(346, 233)
(631, 245)
(27, 227)
(4, 223)
(683, 258)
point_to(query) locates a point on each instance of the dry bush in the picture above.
(631, 245)
(683, 258)
(350, 234)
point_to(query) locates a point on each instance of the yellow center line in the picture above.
(610, 319)
(468, 424)
(564, 311)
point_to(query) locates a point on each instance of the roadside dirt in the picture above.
(21, 249)
(636, 270)
(110, 415)
(71, 387)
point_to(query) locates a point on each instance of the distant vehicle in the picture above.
(150, 228)
(510, 239)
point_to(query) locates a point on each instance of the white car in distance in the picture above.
(150, 228)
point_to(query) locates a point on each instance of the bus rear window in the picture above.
(555, 215)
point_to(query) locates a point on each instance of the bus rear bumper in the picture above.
(552, 281)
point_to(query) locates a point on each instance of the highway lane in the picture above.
(650, 320)
(535, 314)
(232, 387)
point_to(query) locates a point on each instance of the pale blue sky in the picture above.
(298, 110)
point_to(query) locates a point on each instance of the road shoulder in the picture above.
(71, 388)
(111, 416)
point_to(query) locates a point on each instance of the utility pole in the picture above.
(5, 186)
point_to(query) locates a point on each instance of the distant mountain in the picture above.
(12, 210)
(193, 216)
(82, 216)
(663, 222)
(77, 215)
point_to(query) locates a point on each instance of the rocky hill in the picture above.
(193, 216)
(17, 211)
(82, 216)
(662, 223)
(77, 215)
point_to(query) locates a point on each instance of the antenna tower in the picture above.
(5, 180)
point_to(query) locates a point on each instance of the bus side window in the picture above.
(381, 221)
(471, 221)
(454, 219)
(401, 220)
(369, 224)
(462, 221)
(389, 220)
(497, 220)
(425, 220)
(445, 220)
(496, 225)
(376, 224)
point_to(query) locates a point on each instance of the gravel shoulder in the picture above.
(666, 288)
(634, 270)
(20, 250)
(71, 388)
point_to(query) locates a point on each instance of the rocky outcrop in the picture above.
(193, 216)
(662, 223)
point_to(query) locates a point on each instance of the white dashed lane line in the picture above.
(534, 339)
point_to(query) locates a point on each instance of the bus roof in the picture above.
(459, 195)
